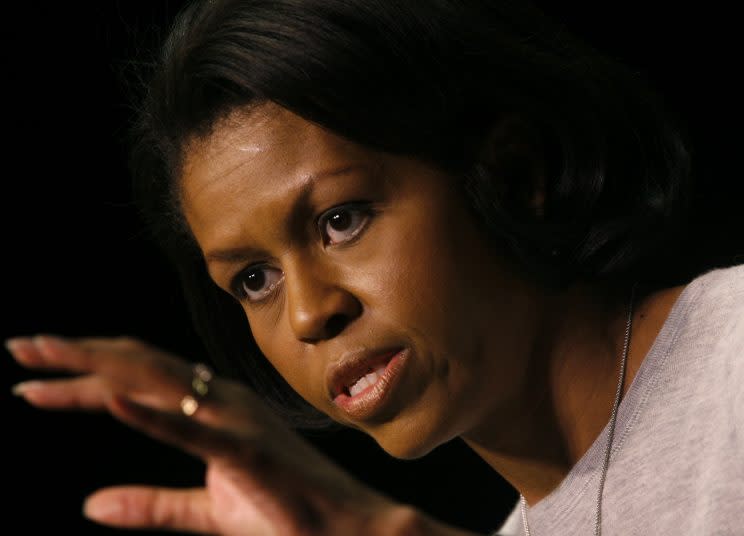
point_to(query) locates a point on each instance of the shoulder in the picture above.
(725, 282)
(715, 300)
(704, 333)
(715, 328)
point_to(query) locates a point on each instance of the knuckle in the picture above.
(162, 514)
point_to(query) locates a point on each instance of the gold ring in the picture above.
(202, 375)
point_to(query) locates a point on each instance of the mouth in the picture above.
(360, 384)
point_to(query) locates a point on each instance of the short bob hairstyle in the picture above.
(426, 79)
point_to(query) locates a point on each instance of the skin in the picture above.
(261, 478)
(419, 275)
(524, 376)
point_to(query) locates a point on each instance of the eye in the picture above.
(342, 224)
(257, 282)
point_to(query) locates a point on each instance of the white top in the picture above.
(677, 462)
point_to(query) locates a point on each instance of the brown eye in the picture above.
(254, 280)
(340, 221)
(343, 224)
(257, 282)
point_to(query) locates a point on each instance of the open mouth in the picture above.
(366, 381)
(362, 373)
(364, 385)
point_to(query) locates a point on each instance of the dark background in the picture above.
(75, 261)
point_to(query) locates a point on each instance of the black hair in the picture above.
(427, 79)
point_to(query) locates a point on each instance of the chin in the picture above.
(406, 441)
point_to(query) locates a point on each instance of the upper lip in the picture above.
(354, 365)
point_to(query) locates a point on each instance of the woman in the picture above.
(423, 222)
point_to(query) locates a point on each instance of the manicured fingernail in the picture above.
(102, 510)
(22, 388)
(21, 348)
(15, 344)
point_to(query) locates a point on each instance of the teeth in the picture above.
(372, 378)
(367, 380)
(359, 386)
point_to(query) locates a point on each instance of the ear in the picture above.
(513, 155)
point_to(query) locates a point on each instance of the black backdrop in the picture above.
(75, 261)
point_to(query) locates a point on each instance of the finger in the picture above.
(24, 351)
(150, 507)
(86, 354)
(129, 365)
(82, 393)
(178, 430)
(51, 353)
(142, 373)
(86, 393)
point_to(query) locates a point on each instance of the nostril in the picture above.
(336, 325)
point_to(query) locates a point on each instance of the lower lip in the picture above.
(368, 403)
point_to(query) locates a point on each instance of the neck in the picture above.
(573, 374)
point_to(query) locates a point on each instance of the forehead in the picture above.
(254, 158)
(267, 135)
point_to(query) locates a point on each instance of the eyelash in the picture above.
(364, 209)
(358, 207)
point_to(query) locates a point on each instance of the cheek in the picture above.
(302, 371)
(418, 282)
(276, 345)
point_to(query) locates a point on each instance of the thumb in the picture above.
(147, 507)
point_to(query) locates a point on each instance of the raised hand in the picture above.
(261, 479)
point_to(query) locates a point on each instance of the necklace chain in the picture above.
(611, 431)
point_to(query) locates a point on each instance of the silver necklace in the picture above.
(610, 435)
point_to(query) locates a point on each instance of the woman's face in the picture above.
(352, 263)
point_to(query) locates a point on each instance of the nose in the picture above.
(319, 307)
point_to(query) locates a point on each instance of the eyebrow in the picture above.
(298, 209)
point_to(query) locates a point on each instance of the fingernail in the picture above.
(22, 388)
(15, 344)
(21, 348)
(102, 510)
